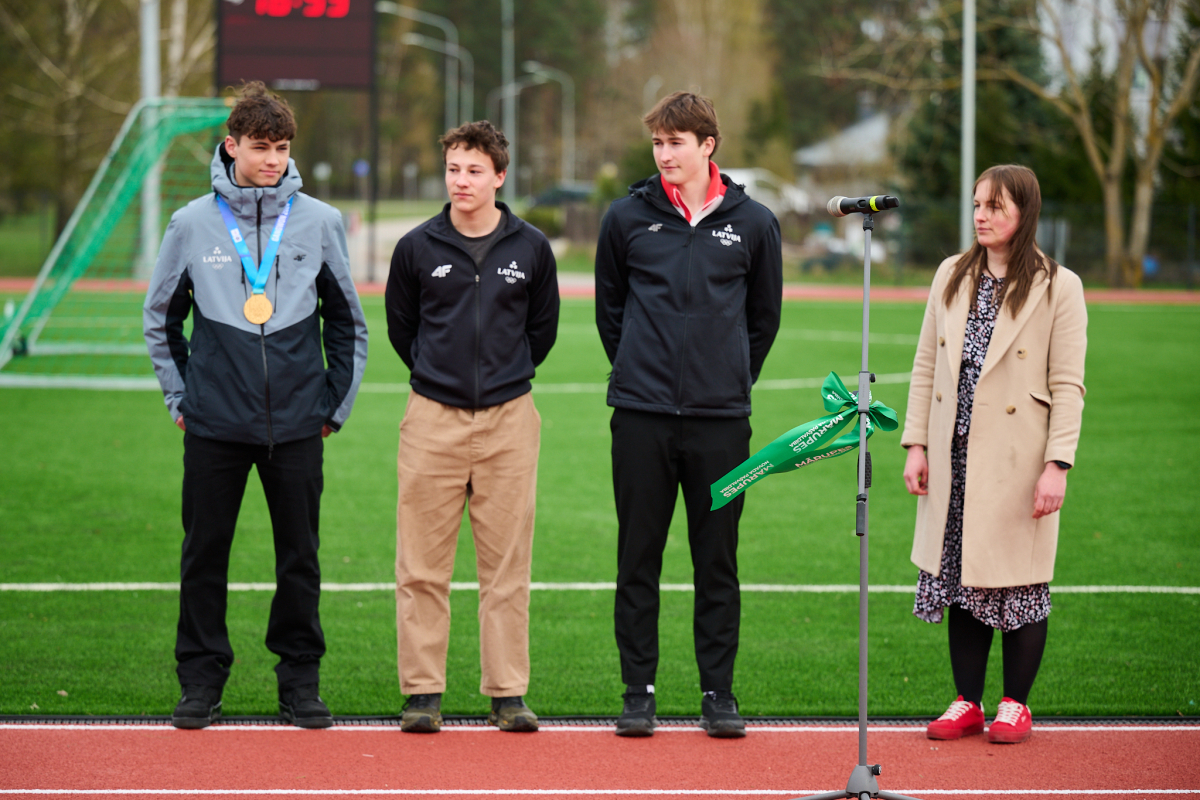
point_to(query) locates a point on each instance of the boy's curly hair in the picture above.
(261, 115)
(481, 136)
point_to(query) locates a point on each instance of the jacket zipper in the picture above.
(687, 301)
(478, 333)
(262, 342)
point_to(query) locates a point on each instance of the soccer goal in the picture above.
(80, 325)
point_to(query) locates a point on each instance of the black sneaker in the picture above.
(198, 707)
(511, 714)
(304, 708)
(422, 713)
(637, 717)
(720, 715)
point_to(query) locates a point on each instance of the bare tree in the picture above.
(1134, 50)
(1140, 41)
(76, 54)
(187, 54)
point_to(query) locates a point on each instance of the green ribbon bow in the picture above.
(807, 443)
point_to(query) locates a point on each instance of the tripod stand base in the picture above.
(861, 786)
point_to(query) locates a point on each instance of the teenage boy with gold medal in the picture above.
(250, 388)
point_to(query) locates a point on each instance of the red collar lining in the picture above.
(716, 188)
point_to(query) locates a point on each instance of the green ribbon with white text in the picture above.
(807, 443)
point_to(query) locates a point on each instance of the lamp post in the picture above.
(568, 114)
(966, 177)
(507, 76)
(151, 220)
(467, 95)
(508, 94)
(451, 31)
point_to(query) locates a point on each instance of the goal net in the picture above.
(80, 325)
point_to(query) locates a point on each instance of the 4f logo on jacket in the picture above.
(727, 236)
(442, 271)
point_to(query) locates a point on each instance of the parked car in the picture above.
(771, 190)
(565, 193)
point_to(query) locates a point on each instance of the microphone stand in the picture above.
(862, 784)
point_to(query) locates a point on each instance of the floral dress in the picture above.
(1005, 608)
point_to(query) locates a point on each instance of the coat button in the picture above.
(939, 396)
(1010, 410)
(941, 341)
(1022, 353)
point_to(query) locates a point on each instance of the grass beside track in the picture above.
(89, 492)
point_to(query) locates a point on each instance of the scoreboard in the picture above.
(296, 44)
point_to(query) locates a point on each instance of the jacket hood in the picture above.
(650, 189)
(243, 200)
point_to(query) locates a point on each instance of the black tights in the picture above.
(970, 642)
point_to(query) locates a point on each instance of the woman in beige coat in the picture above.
(999, 375)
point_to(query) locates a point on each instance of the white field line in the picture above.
(580, 792)
(598, 586)
(147, 384)
(780, 384)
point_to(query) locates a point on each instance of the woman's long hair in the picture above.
(1025, 261)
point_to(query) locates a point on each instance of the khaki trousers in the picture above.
(486, 459)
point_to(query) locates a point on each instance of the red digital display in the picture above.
(296, 44)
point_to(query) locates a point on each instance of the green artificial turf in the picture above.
(90, 487)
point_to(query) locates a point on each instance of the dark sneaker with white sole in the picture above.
(637, 717)
(720, 715)
(511, 714)
(304, 708)
(198, 707)
(422, 713)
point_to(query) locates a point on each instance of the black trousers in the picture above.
(214, 481)
(653, 456)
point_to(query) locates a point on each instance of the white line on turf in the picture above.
(581, 586)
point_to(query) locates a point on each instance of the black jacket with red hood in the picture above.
(687, 314)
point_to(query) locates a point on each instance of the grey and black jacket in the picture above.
(687, 314)
(234, 380)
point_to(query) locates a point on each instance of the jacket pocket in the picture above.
(1044, 399)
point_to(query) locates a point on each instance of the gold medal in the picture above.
(257, 309)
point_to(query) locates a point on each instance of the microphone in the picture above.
(841, 206)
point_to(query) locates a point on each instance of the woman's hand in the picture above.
(1050, 490)
(916, 471)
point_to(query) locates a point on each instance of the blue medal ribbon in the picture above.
(258, 277)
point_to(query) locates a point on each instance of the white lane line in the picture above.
(578, 586)
(581, 792)
(606, 729)
(778, 384)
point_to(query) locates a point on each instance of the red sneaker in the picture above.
(962, 718)
(1013, 723)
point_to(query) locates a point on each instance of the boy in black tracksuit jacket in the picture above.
(472, 309)
(688, 297)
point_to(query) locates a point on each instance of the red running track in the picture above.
(471, 762)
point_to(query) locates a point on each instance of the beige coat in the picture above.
(1027, 412)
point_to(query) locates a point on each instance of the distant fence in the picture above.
(921, 234)
(1072, 234)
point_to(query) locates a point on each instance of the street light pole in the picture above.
(451, 31)
(966, 182)
(457, 52)
(568, 114)
(151, 81)
(507, 76)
